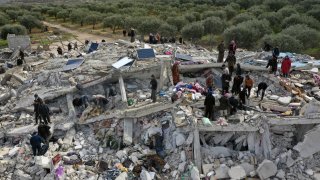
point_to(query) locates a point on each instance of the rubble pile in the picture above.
(133, 138)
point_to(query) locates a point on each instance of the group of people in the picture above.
(241, 87)
(273, 61)
(75, 46)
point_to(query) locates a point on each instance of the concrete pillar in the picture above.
(122, 89)
(128, 131)
(72, 112)
(197, 149)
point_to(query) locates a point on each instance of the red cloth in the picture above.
(286, 65)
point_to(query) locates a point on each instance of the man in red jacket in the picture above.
(285, 66)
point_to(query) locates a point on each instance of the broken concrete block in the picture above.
(183, 156)
(195, 175)
(309, 172)
(206, 168)
(180, 139)
(247, 167)
(266, 169)
(182, 166)
(284, 100)
(237, 172)
(122, 176)
(13, 151)
(222, 172)
(310, 144)
(20, 175)
(145, 175)
(274, 97)
(281, 174)
(43, 161)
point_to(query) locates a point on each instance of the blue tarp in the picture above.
(72, 64)
(145, 53)
(93, 47)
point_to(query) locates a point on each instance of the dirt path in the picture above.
(81, 36)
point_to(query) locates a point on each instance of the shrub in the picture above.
(243, 17)
(79, 15)
(149, 25)
(231, 10)
(284, 42)
(257, 10)
(221, 14)
(287, 11)
(193, 31)
(273, 18)
(300, 19)
(3, 19)
(213, 25)
(275, 5)
(30, 22)
(247, 33)
(113, 22)
(12, 29)
(167, 30)
(309, 37)
(245, 4)
(93, 18)
(315, 12)
(178, 22)
(63, 14)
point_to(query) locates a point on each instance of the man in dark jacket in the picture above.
(224, 105)
(83, 101)
(44, 132)
(273, 63)
(154, 85)
(59, 50)
(221, 52)
(36, 104)
(231, 60)
(234, 103)
(44, 113)
(132, 35)
(276, 51)
(35, 142)
(69, 46)
(236, 87)
(262, 86)
(225, 79)
(242, 98)
(238, 70)
(209, 103)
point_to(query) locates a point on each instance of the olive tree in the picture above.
(193, 31)
(30, 22)
(12, 29)
(113, 22)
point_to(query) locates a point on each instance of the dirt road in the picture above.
(81, 36)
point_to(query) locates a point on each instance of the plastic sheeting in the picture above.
(72, 64)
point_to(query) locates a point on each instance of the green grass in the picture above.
(3, 43)
(315, 52)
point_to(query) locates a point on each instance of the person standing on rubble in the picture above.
(124, 32)
(132, 35)
(236, 87)
(75, 46)
(225, 80)
(209, 82)
(238, 70)
(224, 105)
(36, 104)
(262, 86)
(248, 84)
(154, 85)
(231, 60)
(69, 46)
(35, 142)
(175, 73)
(232, 47)
(44, 131)
(221, 52)
(100, 101)
(276, 52)
(44, 112)
(209, 103)
(59, 50)
(273, 63)
(83, 101)
(285, 66)
(242, 98)
(234, 103)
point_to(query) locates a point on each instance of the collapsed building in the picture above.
(277, 138)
